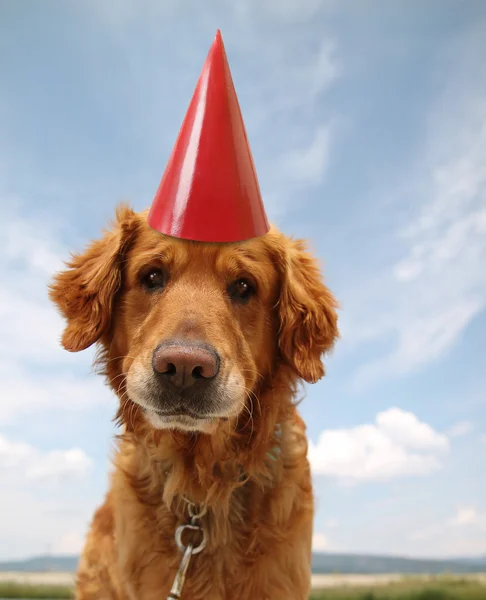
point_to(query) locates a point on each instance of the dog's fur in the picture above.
(247, 461)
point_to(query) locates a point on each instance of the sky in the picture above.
(367, 123)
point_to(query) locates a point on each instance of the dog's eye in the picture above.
(241, 291)
(155, 279)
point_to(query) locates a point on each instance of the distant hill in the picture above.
(321, 563)
(475, 560)
(64, 564)
(365, 563)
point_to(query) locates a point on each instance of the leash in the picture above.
(187, 551)
(194, 526)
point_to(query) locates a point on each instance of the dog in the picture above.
(205, 345)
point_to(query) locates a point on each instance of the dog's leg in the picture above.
(97, 577)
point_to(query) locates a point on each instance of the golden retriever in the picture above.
(204, 345)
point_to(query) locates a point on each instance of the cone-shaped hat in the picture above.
(209, 191)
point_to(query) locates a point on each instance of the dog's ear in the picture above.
(85, 291)
(307, 313)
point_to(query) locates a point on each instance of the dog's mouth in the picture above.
(191, 410)
(182, 419)
(180, 412)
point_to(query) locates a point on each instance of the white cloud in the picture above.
(70, 543)
(60, 464)
(460, 429)
(25, 394)
(30, 327)
(320, 542)
(43, 522)
(299, 84)
(396, 445)
(20, 460)
(461, 535)
(465, 516)
(315, 75)
(32, 244)
(308, 165)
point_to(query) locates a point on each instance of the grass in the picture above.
(442, 588)
(50, 592)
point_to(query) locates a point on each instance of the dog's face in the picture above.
(194, 328)
(195, 325)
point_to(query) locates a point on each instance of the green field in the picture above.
(46, 592)
(409, 589)
(445, 588)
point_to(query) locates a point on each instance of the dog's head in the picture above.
(190, 330)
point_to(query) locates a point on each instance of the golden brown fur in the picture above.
(260, 507)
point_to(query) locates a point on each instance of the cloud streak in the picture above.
(428, 297)
(36, 373)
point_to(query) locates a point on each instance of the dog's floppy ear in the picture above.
(307, 312)
(85, 291)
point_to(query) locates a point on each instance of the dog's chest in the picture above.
(217, 572)
(241, 554)
(259, 549)
(224, 575)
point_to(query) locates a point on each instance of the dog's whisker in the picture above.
(108, 360)
(133, 413)
(124, 399)
(123, 374)
(253, 372)
(121, 383)
(254, 395)
(249, 410)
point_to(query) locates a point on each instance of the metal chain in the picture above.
(187, 551)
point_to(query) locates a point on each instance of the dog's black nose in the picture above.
(185, 363)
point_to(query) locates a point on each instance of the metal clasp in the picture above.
(188, 551)
(178, 537)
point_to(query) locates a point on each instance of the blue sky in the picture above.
(367, 123)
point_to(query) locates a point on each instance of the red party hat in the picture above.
(209, 191)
